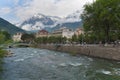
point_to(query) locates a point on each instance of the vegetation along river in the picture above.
(41, 64)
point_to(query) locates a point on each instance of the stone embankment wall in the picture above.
(112, 53)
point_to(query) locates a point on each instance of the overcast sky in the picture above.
(18, 10)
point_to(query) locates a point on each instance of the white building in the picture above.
(68, 33)
(64, 32)
(17, 37)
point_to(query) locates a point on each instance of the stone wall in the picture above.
(112, 53)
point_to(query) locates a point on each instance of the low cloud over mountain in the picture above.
(41, 21)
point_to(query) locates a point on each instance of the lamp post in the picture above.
(82, 39)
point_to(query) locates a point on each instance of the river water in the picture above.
(41, 64)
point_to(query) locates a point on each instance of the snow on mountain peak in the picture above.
(74, 16)
(39, 15)
(41, 21)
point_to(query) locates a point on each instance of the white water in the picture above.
(39, 64)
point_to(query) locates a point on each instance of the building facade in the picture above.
(79, 31)
(68, 33)
(17, 37)
(64, 32)
(42, 33)
(57, 32)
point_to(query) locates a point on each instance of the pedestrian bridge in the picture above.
(22, 45)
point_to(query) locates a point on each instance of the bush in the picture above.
(2, 53)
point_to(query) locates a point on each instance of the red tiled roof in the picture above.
(43, 31)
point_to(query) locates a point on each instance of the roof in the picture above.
(42, 31)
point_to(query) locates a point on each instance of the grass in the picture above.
(100, 76)
(2, 54)
(106, 77)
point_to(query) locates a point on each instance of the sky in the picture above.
(18, 10)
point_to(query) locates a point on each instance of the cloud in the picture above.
(16, 2)
(4, 11)
(59, 8)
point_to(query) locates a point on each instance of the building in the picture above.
(57, 32)
(64, 32)
(79, 31)
(17, 37)
(68, 33)
(42, 33)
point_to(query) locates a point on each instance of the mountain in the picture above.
(71, 25)
(39, 21)
(50, 23)
(12, 29)
(74, 17)
(71, 21)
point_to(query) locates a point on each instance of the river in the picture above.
(41, 64)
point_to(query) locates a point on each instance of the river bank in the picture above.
(112, 53)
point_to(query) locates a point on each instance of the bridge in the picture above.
(20, 45)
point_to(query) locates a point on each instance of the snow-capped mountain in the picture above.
(74, 17)
(40, 21)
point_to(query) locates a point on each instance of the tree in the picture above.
(102, 18)
(4, 36)
(74, 38)
(81, 38)
(7, 35)
(28, 37)
(51, 39)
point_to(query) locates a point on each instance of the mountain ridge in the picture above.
(40, 21)
(10, 28)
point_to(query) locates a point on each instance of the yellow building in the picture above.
(79, 31)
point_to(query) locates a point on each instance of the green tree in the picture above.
(28, 37)
(4, 36)
(7, 35)
(102, 18)
(81, 38)
(51, 39)
(74, 38)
